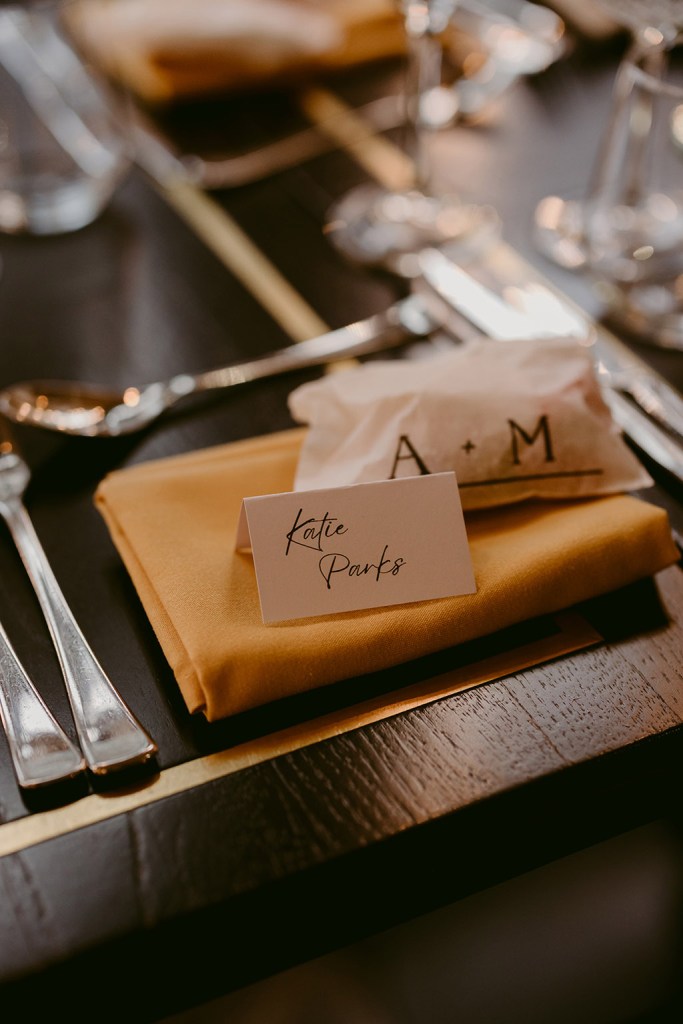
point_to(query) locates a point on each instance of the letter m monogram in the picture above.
(519, 433)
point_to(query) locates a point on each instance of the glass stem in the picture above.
(423, 74)
(622, 155)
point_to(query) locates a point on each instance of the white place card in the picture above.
(367, 545)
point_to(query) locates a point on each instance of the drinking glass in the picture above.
(627, 230)
(376, 225)
(63, 147)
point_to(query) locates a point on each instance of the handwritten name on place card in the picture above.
(363, 546)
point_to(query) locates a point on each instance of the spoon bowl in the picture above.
(86, 410)
(90, 410)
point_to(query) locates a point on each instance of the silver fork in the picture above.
(41, 751)
(110, 736)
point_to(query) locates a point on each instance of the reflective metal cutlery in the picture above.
(109, 735)
(70, 407)
(41, 751)
(651, 404)
(541, 313)
(446, 297)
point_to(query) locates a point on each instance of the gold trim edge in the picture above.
(574, 634)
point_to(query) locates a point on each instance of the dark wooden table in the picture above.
(199, 892)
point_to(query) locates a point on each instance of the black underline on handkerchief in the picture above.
(530, 476)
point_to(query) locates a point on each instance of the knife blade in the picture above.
(444, 284)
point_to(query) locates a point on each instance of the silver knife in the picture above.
(476, 305)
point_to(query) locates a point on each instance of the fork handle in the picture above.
(41, 751)
(109, 734)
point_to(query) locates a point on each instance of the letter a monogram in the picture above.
(404, 442)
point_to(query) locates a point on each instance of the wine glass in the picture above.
(377, 225)
(63, 146)
(627, 230)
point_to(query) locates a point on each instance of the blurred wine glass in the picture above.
(513, 38)
(63, 133)
(627, 230)
(377, 225)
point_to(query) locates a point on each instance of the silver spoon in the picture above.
(71, 407)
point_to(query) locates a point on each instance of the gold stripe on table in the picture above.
(377, 155)
(221, 233)
(574, 633)
(235, 249)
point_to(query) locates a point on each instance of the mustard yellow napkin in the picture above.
(165, 50)
(174, 523)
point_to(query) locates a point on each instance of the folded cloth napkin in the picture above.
(174, 523)
(164, 50)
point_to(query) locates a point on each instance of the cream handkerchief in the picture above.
(174, 523)
(513, 421)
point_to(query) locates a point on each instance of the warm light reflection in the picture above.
(508, 43)
(131, 396)
(550, 212)
(439, 106)
(652, 36)
(5, 448)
